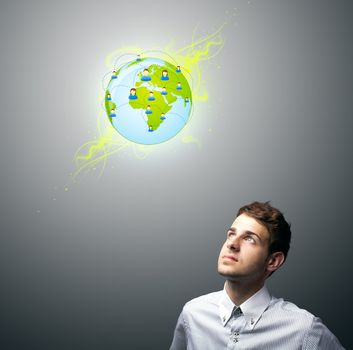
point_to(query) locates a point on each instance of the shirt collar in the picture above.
(252, 308)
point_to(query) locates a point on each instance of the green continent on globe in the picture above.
(109, 104)
(162, 103)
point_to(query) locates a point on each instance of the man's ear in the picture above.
(275, 261)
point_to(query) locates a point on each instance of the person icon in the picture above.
(146, 75)
(108, 97)
(138, 58)
(112, 113)
(151, 97)
(164, 91)
(164, 75)
(133, 95)
(148, 110)
(114, 74)
(178, 70)
(150, 128)
(162, 116)
(187, 99)
(179, 86)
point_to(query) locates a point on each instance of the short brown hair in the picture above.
(274, 221)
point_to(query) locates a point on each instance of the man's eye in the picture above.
(230, 233)
(250, 239)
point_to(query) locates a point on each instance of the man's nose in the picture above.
(233, 244)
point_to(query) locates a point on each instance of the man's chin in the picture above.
(226, 274)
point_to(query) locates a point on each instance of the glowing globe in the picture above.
(148, 100)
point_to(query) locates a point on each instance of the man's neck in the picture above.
(239, 292)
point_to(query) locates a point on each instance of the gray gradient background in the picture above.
(109, 264)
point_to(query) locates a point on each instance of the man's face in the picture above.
(244, 254)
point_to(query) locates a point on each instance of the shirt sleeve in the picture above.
(179, 340)
(319, 337)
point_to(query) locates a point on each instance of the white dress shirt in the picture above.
(262, 322)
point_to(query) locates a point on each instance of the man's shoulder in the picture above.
(206, 300)
(299, 320)
(291, 311)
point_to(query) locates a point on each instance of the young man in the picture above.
(244, 315)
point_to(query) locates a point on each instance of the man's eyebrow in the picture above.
(253, 234)
(247, 232)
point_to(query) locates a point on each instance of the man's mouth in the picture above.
(230, 257)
